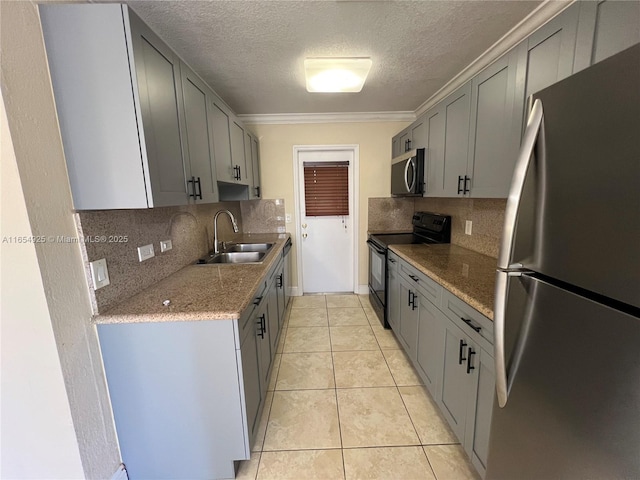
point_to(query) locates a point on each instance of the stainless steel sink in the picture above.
(233, 257)
(249, 247)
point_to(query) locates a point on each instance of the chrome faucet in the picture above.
(215, 227)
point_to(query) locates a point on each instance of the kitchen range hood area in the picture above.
(155, 322)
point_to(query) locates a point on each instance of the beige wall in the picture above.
(26, 89)
(38, 440)
(276, 166)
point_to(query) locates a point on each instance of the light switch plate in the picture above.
(467, 227)
(99, 273)
(165, 245)
(146, 252)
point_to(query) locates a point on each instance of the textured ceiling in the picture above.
(252, 51)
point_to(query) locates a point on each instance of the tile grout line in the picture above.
(335, 392)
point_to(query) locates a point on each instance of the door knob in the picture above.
(304, 235)
(304, 225)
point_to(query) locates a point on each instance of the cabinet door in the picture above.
(273, 322)
(455, 387)
(409, 304)
(221, 142)
(393, 300)
(159, 86)
(395, 146)
(199, 144)
(247, 155)
(405, 141)
(434, 168)
(255, 164)
(251, 381)
(280, 286)
(238, 158)
(604, 29)
(264, 345)
(457, 111)
(494, 136)
(430, 344)
(419, 137)
(480, 410)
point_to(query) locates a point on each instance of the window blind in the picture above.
(326, 188)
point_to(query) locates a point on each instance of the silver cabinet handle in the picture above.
(533, 135)
(406, 171)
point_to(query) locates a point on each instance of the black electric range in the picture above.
(427, 228)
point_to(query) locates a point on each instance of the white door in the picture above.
(326, 242)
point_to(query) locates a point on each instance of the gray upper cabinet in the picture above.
(494, 134)
(546, 57)
(448, 130)
(419, 135)
(220, 120)
(606, 28)
(238, 157)
(159, 87)
(121, 127)
(198, 139)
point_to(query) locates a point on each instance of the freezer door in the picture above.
(577, 214)
(573, 407)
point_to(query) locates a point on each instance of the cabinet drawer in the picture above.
(392, 261)
(246, 323)
(431, 289)
(472, 322)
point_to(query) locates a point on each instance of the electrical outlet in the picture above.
(99, 273)
(165, 245)
(467, 227)
(287, 218)
(146, 252)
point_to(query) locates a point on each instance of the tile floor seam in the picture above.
(335, 392)
(433, 470)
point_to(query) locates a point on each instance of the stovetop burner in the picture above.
(427, 228)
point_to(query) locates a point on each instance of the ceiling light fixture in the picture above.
(336, 74)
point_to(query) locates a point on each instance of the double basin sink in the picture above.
(238, 253)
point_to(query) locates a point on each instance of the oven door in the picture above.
(377, 278)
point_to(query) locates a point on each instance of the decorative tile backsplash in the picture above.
(487, 215)
(190, 229)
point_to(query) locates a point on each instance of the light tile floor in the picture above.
(345, 403)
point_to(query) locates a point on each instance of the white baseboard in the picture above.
(296, 292)
(293, 292)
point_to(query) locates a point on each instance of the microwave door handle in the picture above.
(533, 135)
(406, 175)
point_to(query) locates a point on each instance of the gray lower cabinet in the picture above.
(178, 400)
(450, 345)
(408, 319)
(198, 138)
(265, 324)
(480, 408)
(119, 101)
(431, 339)
(253, 390)
(393, 293)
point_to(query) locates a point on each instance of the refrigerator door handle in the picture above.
(530, 138)
(502, 286)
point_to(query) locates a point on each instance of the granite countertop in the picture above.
(200, 292)
(469, 275)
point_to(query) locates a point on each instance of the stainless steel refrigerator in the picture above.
(567, 315)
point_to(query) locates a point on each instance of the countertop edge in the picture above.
(271, 259)
(464, 296)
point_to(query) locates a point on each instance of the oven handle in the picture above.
(375, 247)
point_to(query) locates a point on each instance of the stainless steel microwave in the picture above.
(407, 174)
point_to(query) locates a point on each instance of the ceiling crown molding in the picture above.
(538, 17)
(357, 117)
